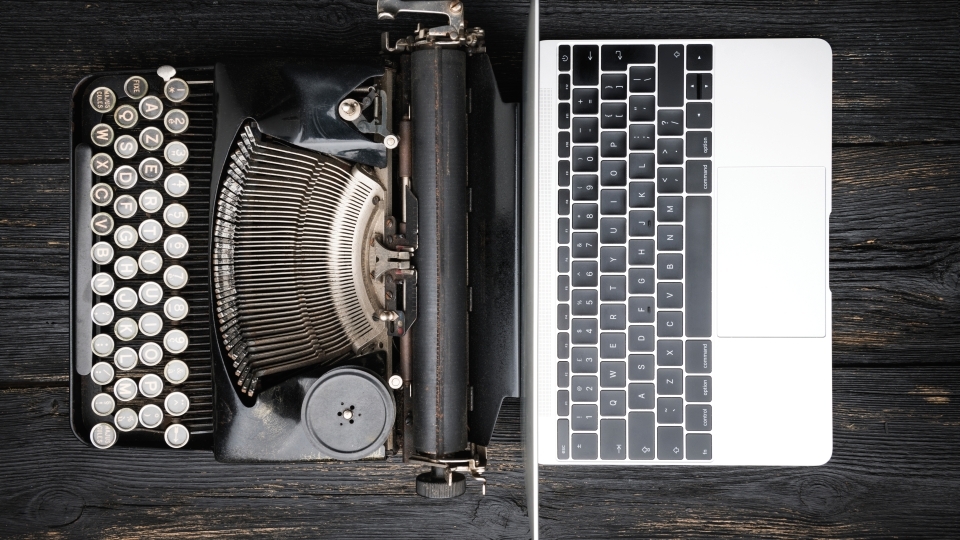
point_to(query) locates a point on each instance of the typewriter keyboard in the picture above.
(634, 252)
(147, 141)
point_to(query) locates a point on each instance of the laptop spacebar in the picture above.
(698, 244)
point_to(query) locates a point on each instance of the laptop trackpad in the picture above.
(771, 251)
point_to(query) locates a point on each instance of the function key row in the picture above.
(587, 60)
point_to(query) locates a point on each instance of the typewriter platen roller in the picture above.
(297, 260)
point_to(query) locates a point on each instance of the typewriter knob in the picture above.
(433, 484)
(348, 413)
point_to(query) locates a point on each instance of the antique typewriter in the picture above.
(300, 261)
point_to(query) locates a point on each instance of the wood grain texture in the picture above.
(894, 458)
(895, 277)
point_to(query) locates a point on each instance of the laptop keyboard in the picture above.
(634, 252)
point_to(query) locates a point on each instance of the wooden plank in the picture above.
(892, 81)
(894, 460)
(35, 338)
(35, 230)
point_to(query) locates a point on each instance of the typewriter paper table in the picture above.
(894, 275)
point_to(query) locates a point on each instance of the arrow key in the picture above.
(700, 115)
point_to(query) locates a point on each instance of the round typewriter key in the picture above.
(151, 385)
(125, 206)
(150, 324)
(175, 277)
(103, 404)
(176, 90)
(125, 146)
(125, 299)
(176, 436)
(125, 177)
(125, 329)
(150, 261)
(102, 314)
(176, 246)
(101, 253)
(125, 389)
(101, 164)
(175, 308)
(125, 419)
(151, 107)
(126, 116)
(150, 354)
(176, 153)
(101, 223)
(150, 293)
(176, 371)
(151, 416)
(176, 185)
(101, 135)
(175, 342)
(102, 99)
(102, 283)
(103, 436)
(102, 373)
(150, 231)
(102, 345)
(175, 215)
(151, 201)
(125, 237)
(176, 121)
(176, 403)
(125, 267)
(125, 358)
(101, 194)
(151, 138)
(151, 169)
(136, 87)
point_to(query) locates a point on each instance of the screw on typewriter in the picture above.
(433, 165)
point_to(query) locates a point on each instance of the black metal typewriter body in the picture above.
(297, 260)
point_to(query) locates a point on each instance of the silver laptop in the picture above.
(676, 305)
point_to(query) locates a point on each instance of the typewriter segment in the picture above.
(146, 369)
(270, 261)
(292, 284)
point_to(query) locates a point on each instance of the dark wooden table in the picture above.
(895, 276)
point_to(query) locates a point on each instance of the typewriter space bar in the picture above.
(699, 275)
